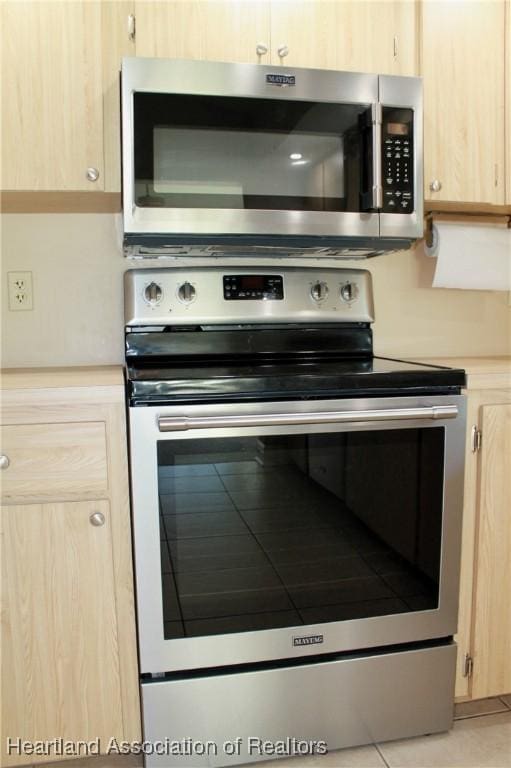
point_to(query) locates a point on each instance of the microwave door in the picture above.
(271, 165)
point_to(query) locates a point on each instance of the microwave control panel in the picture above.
(397, 160)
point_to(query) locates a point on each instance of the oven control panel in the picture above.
(397, 160)
(253, 286)
(186, 296)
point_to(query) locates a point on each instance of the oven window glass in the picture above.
(290, 530)
(219, 152)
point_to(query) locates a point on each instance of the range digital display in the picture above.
(251, 282)
(243, 287)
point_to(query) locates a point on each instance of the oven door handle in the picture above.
(184, 423)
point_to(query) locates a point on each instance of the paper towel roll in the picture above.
(472, 256)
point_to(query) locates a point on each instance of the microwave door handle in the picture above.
(185, 423)
(370, 127)
(376, 113)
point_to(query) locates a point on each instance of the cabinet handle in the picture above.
(92, 174)
(131, 27)
(97, 519)
(435, 185)
(282, 51)
(4, 461)
(261, 49)
(395, 46)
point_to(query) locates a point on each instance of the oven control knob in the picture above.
(319, 291)
(186, 292)
(153, 294)
(349, 292)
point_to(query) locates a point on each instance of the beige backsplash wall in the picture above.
(77, 317)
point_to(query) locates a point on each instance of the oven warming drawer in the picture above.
(345, 702)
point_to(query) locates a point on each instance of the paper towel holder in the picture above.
(431, 236)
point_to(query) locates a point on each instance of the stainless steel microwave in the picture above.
(243, 159)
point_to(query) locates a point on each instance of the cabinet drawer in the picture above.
(54, 460)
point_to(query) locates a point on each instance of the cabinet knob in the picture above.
(283, 51)
(92, 174)
(4, 461)
(261, 49)
(435, 185)
(97, 518)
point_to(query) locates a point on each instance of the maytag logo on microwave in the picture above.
(308, 640)
(282, 80)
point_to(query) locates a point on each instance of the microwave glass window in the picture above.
(216, 152)
(290, 530)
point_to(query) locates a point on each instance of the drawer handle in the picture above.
(4, 461)
(97, 519)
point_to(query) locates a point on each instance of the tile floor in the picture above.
(480, 738)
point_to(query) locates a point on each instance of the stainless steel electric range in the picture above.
(296, 514)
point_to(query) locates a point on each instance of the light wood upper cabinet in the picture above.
(492, 604)
(346, 35)
(52, 95)
(60, 658)
(305, 32)
(507, 80)
(378, 37)
(216, 30)
(462, 62)
(115, 43)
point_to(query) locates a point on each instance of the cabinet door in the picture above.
(463, 70)
(507, 79)
(307, 32)
(346, 35)
(60, 665)
(52, 111)
(492, 606)
(218, 30)
(116, 43)
(378, 37)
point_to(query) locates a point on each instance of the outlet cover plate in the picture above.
(20, 291)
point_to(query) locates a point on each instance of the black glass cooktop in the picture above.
(161, 382)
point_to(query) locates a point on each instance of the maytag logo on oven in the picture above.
(282, 80)
(308, 640)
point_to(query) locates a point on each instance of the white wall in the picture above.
(77, 318)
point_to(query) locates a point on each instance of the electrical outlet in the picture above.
(20, 291)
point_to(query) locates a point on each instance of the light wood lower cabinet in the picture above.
(69, 658)
(484, 628)
(491, 633)
(60, 649)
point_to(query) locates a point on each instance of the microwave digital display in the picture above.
(398, 129)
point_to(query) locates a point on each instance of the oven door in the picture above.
(273, 531)
(228, 149)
